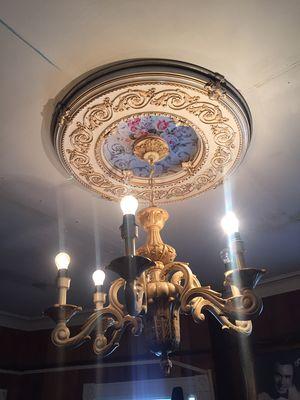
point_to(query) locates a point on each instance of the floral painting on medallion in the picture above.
(182, 140)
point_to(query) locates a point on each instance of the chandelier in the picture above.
(153, 131)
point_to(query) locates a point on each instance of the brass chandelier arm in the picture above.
(102, 348)
(61, 334)
(100, 320)
(243, 307)
(206, 293)
(176, 272)
(113, 294)
(243, 327)
(135, 323)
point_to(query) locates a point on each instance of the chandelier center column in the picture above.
(153, 220)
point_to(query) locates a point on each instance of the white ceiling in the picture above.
(46, 45)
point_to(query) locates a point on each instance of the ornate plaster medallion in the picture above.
(193, 121)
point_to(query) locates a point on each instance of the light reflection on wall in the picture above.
(194, 387)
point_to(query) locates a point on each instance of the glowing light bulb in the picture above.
(98, 277)
(62, 260)
(230, 223)
(129, 205)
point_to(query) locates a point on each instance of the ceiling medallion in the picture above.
(199, 120)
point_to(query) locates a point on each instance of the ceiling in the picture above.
(46, 45)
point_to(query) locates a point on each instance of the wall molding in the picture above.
(279, 284)
(101, 366)
(269, 287)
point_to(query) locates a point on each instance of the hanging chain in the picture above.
(151, 181)
(127, 175)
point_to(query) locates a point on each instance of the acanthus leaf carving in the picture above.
(132, 98)
(81, 138)
(98, 114)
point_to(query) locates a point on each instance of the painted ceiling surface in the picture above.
(182, 141)
(46, 45)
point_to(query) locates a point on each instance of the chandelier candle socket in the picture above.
(129, 230)
(225, 257)
(230, 224)
(237, 248)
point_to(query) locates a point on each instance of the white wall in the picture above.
(151, 389)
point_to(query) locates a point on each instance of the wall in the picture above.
(30, 356)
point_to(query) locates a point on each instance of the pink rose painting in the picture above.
(162, 124)
(133, 124)
(118, 149)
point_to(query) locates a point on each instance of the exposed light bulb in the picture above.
(230, 223)
(129, 205)
(62, 260)
(98, 277)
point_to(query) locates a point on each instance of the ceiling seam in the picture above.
(278, 74)
(8, 27)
